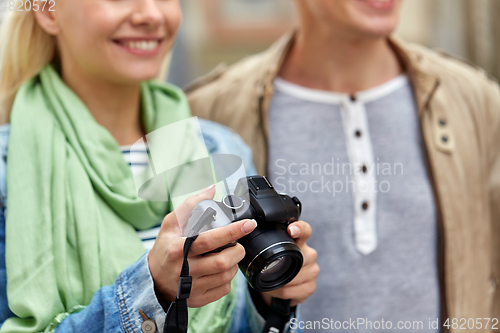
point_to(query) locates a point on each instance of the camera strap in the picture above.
(176, 320)
(177, 314)
(278, 316)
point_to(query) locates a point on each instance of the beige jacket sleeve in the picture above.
(493, 118)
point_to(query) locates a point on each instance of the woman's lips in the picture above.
(140, 47)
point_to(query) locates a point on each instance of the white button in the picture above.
(493, 284)
(148, 326)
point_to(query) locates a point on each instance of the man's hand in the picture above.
(211, 273)
(304, 284)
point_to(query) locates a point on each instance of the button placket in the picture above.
(361, 156)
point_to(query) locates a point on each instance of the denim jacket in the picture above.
(115, 308)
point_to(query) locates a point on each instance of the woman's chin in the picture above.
(132, 75)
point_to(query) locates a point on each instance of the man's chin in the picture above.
(379, 32)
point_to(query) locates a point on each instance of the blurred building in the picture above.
(216, 31)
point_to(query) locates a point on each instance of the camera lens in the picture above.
(272, 259)
(280, 268)
(275, 270)
(273, 267)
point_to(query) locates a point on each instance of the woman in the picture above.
(74, 82)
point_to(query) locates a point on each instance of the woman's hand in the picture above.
(304, 284)
(211, 273)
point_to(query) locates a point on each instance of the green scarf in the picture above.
(72, 203)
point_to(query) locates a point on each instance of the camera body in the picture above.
(272, 258)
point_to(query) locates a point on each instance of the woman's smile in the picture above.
(144, 47)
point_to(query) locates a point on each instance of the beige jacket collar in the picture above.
(424, 82)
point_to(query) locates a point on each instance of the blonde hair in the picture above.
(24, 49)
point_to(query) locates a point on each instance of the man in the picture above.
(393, 150)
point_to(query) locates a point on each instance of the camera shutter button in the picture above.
(232, 202)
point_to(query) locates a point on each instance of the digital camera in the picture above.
(272, 258)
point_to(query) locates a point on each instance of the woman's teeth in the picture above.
(141, 45)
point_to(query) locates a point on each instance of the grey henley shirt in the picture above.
(358, 166)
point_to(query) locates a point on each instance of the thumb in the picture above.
(177, 220)
(300, 231)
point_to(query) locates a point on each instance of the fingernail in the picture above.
(294, 231)
(207, 189)
(248, 226)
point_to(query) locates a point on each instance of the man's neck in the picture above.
(326, 61)
(114, 106)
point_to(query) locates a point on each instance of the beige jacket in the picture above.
(455, 100)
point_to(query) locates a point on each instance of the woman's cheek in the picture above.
(173, 17)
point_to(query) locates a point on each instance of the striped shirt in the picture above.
(137, 158)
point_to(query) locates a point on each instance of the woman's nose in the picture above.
(147, 13)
